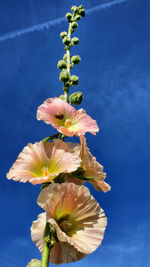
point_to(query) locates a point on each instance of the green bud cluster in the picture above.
(67, 63)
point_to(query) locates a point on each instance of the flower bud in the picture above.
(64, 76)
(72, 30)
(69, 17)
(66, 40)
(82, 12)
(76, 98)
(63, 34)
(77, 17)
(75, 59)
(74, 25)
(74, 80)
(62, 97)
(74, 9)
(61, 64)
(80, 7)
(75, 41)
(66, 47)
(34, 263)
(65, 57)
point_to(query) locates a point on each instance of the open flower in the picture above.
(66, 119)
(42, 162)
(90, 167)
(77, 218)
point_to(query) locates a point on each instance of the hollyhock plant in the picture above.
(73, 223)
(42, 162)
(66, 119)
(77, 218)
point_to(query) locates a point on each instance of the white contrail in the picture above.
(48, 24)
(104, 6)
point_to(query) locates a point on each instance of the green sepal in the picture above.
(75, 41)
(75, 59)
(66, 40)
(62, 97)
(74, 25)
(64, 76)
(74, 80)
(34, 263)
(63, 34)
(61, 64)
(74, 9)
(82, 12)
(76, 98)
(69, 16)
(77, 17)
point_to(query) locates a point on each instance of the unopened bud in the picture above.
(34, 263)
(64, 76)
(77, 17)
(76, 98)
(75, 59)
(72, 30)
(65, 57)
(74, 8)
(82, 12)
(80, 7)
(66, 40)
(61, 64)
(75, 41)
(74, 25)
(69, 17)
(62, 97)
(63, 34)
(74, 80)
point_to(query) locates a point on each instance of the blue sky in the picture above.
(115, 79)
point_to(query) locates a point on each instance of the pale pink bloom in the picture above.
(90, 166)
(42, 162)
(78, 219)
(66, 119)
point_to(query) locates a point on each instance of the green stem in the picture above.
(51, 137)
(48, 243)
(45, 253)
(68, 61)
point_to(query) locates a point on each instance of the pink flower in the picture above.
(90, 167)
(66, 119)
(77, 218)
(42, 162)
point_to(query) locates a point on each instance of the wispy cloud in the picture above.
(48, 24)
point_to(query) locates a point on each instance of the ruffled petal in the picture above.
(42, 162)
(66, 119)
(75, 205)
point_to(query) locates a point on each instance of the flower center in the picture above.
(67, 123)
(45, 171)
(59, 116)
(66, 225)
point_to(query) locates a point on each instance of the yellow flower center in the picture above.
(67, 123)
(45, 171)
(66, 225)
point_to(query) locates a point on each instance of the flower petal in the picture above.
(92, 168)
(74, 202)
(66, 119)
(41, 162)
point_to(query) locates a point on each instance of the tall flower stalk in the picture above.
(72, 224)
